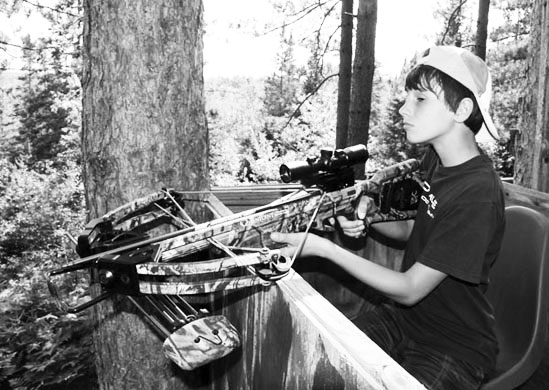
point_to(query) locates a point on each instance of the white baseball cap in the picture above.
(468, 69)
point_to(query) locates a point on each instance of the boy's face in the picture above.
(426, 116)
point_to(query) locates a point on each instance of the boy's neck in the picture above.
(455, 150)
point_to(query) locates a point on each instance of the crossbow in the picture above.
(151, 251)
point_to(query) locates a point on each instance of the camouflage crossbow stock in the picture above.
(126, 257)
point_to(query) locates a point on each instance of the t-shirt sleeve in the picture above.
(460, 240)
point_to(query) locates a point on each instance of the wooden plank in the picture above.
(293, 338)
(518, 195)
(242, 198)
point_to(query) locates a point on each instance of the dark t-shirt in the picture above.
(458, 231)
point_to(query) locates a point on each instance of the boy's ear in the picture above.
(464, 109)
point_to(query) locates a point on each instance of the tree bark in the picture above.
(532, 144)
(482, 28)
(143, 128)
(363, 73)
(345, 69)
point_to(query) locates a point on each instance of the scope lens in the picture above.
(285, 174)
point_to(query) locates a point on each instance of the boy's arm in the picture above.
(397, 230)
(406, 288)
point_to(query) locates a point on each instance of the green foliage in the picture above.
(457, 16)
(508, 61)
(388, 144)
(282, 87)
(248, 146)
(387, 141)
(47, 110)
(42, 347)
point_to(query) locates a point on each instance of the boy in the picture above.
(440, 328)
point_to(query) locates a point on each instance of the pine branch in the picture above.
(452, 16)
(50, 8)
(293, 115)
(304, 12)
(38, 49)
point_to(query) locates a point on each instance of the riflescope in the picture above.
(329, 162)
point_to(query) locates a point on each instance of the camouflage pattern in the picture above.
(183, 287)
(201, 341)
(393, 215)
(253, 229)
(135, 205)
(399, 170)
(291, 214)
(207, 266)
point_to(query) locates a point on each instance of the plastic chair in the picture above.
(519, 292)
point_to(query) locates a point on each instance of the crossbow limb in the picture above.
(130, 253)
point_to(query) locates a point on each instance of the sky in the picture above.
(232, 47)
(403, 27)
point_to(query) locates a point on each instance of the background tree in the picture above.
(40, 201)
(482, 28)
(144, 128)
(388, 144)
(345, 73)
(281, 88)
(532, 148)
(47, 108)
(363, 75)
(508, 60)
(44, 112)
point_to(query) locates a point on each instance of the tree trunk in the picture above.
(363, 73)
(532, 145)
(482, 28)
(143, 128)
(345, 69)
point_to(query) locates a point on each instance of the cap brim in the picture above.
(488, 123)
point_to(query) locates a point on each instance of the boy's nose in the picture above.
(403, 109)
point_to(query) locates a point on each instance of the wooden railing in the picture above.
(517, 195)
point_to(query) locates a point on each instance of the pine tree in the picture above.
(282, 87)
(388, 143)
(48, 110)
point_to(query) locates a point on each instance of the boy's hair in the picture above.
(427, 78)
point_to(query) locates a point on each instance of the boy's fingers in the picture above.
(287, 238)
(345, 223)
(278, 237)
(363, 206)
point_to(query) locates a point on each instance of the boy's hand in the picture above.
(357, 227)
(314, 245)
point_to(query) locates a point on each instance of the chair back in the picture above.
(519, 293)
